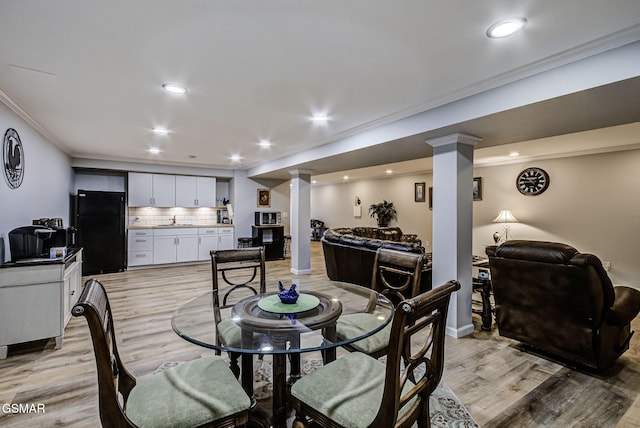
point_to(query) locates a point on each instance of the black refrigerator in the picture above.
(100, 224)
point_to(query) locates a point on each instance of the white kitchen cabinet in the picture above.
(214, 238)
(207, 241)
(225, 238)
(151, 190)
(187, 248)
(140, 247)
(206, 191)
(194, 192)
(140, 190)
(36, 300)
(186, 191)
(175, 245)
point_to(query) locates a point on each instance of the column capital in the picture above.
(471, 140)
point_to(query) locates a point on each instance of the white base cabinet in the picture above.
(36, 300)
(175, 245)
(214, 238)
(140, 247)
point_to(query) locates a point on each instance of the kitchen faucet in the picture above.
(173, 220)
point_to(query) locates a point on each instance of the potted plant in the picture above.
(384, 211)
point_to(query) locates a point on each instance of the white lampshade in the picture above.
(505, 216)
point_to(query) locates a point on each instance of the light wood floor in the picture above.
(500, 385)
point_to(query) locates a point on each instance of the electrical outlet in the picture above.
(607, 266)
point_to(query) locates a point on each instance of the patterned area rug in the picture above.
(446, 410)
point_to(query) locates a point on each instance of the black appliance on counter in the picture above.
(100, 230)
(28, 242)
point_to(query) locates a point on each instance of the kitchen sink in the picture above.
(175, 225)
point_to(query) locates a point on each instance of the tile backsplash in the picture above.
(149, 216)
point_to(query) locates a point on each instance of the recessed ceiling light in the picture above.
(506, 27)
(160, 131)
(389, 171)
(313, 181)
(319, 118)
(174, 88)
(154, 150)
(514, 154)
(235, 158)
(264, 143)
(345, 177)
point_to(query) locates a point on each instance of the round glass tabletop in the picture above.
(254, 324)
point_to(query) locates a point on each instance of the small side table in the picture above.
(484, 287)
(481, 282)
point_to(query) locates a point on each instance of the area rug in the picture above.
(446, 409)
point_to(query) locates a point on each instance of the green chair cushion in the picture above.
(187, 395)
(353, 325)
(230, 333)
(348, 390)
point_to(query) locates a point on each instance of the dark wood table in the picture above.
(481, 282)
(280, 335)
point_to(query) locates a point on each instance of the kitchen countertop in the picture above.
(178, 226)
(71, 253)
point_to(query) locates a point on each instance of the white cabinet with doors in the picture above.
(151, 190)
(36, 300)
(225, 238)
(214, 238)
(194, 192)
(174, 245)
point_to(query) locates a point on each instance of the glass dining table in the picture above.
(263, 325)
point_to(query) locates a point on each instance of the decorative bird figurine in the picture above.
(288, 296)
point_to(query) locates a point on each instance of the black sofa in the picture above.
(555, 299)
(349, 252)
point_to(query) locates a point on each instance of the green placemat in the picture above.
(273, 304)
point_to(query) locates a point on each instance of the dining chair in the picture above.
(360, 391)
(396, 275)
(198, 393)
(238, 269)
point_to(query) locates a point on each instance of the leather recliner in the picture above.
(560, 301)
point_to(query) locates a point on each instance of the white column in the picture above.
(300, 222)
(452, 224)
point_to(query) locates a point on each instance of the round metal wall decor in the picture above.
(12, 158)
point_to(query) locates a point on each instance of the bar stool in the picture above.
(245, 242)
(287, 245)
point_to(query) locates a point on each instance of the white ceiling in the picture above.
(88, 74)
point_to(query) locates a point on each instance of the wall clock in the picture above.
(12, 158)
(532, 181)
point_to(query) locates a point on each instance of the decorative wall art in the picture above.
(12, 158)
(477, 188)
(419, 192)
(264, 198)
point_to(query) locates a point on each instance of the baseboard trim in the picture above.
(300, 271)
(460, 332)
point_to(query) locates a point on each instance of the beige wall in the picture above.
(592, 203)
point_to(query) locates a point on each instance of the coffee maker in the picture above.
(28, 242)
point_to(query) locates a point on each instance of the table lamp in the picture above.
(505, 217)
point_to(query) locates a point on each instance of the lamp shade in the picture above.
(505, 216)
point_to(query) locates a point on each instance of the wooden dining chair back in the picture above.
(360, 391)
(236, 269)
(197, 393)
(396, 275)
